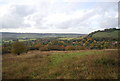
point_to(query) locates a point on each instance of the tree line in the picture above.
(53, 44)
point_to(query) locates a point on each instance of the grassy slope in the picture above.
(113, 35)
(99, 35)
(87, 64)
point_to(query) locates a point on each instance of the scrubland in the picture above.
(82, 64)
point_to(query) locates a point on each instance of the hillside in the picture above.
(9, 35)
(105, 34)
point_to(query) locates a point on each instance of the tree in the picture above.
(18, 48)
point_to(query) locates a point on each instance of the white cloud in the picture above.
(57, 16)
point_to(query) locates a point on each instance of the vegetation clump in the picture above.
(18, 48)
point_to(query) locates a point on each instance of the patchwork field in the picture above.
(84, 64)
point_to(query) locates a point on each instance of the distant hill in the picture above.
(111, 33)
(10, 35)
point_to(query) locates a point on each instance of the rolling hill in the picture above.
(112, 33)
(9, 35)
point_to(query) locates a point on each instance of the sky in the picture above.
(57, 16)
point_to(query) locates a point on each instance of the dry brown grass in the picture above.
(39, 65)
(86, 67)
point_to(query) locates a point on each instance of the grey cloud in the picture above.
(109, 23)
(15, 17)
(37, 14)
(103, 21)
(22, 10)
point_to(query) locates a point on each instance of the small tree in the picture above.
(18, 48)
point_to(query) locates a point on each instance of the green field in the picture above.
(10, 35)
(112, 35)
(83, 64)
(26, 39)
(70, 38)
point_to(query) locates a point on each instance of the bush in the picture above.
(70, 48)
(38, 46)
(18, 48)
(6, 50)
(44, 48)
(80, 48)
(52, 47)
(33, 48)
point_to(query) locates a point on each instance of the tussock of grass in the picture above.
(88, 64)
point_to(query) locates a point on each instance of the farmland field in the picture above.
(82, 64)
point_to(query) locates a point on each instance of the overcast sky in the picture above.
(57, 16)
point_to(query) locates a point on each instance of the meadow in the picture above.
(82, 64)
(62, 56)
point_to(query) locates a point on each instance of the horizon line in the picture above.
(46, 32)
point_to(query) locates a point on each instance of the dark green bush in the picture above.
(18, 48)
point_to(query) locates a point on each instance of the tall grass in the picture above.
(87, 64)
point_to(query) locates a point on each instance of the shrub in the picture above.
(33, 48)
(52, 47)
(6, 50)
(80, 48)
(44, 48)
(38, 46)
(70, 48)
(18, 48)
(56, 47)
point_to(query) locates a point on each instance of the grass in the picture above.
(21, 40)
(26, 39)
(58, 57)
(113, 34)
(84, 64)
(64, 38)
